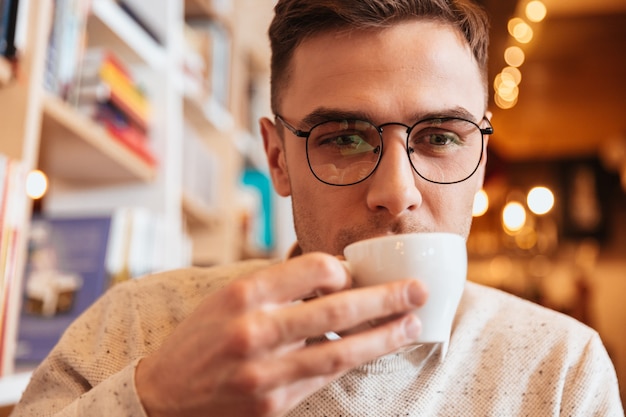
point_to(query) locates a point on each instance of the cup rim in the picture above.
(395, 236)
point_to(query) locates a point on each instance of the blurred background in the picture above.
(554, 227)
(134, 126)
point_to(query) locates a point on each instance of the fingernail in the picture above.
(417, 293)
(412, 326)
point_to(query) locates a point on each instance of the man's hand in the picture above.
(242, 352)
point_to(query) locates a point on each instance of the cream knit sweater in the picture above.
(507, 357)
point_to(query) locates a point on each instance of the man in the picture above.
(380, 128)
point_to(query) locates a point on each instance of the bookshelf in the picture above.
(111, 27)
(97, 159)
(92, 173)
(210, 116)
(21, 117)
(222, 123)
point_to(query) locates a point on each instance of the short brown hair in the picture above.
(297, 20)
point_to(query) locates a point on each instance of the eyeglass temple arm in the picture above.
(487, 130)
(297, 132)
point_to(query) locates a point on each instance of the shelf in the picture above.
(109, 26)
(197, 214)
(78, 150)
(209, 116)
(6, 71)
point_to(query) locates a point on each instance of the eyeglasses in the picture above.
(442, 150)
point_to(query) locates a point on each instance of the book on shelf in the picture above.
(72, 261)
(103, 71)
(65, 45)
(121, 128)
(133, 247)
(195, 60)
(95, 80)
(261, 214)
(8, 27)
(64, 275)
(201, 179)
(106, 92)
(212, 41)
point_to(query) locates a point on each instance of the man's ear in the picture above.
(276, 158)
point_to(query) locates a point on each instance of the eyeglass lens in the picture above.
(344, 152)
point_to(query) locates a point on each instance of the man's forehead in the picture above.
(413, 57)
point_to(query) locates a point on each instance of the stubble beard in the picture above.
(314, 237)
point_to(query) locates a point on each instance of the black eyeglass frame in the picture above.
(305, 135)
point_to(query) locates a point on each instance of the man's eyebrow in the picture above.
(458, 112)
(322, 114)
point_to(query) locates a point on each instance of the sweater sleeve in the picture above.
(90, 372)
(115, 396)
(591, 387)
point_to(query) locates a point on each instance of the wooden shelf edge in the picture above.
(120, 162)
(115, 27)
(198, 214)
(210, 115)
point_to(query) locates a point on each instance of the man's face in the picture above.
(398, 74)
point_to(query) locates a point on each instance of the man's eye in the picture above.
(354, 140)
(342, 140)
(438, 139)
(442, 138)
(346, 144)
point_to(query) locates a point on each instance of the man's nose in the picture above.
(393, 186)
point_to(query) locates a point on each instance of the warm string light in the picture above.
(520, 30)
(514, 56)
(536, 11)
(506, 83)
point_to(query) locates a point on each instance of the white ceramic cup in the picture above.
(439, 260)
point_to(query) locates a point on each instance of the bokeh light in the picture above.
(514, 56)
(481, 203)
(520, 30)
(540, 200)
(36, 184)
(536, 11)
(513, 216)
